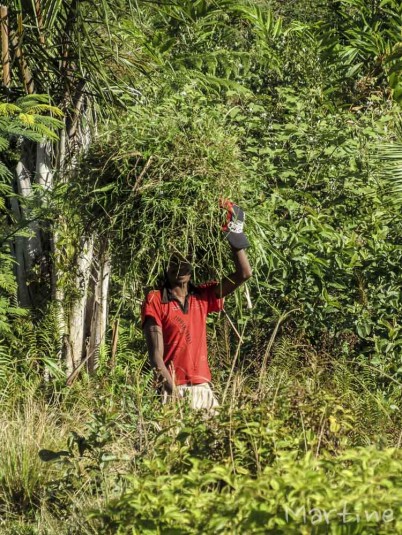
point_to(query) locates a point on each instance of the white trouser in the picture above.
(200, 396)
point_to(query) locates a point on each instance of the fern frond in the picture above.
(9, 109)
(5, 361)
(38, 108)
(15, 129)
(4, 143)
(27, 101)
(5, 173)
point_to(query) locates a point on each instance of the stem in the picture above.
(270, 344)
(234, 361)
(25, 72)
(5, 51)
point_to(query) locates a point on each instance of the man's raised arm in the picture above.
(234, 233)
(242, 273)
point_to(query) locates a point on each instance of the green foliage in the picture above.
(22, 477)
(30, 117)
(136, 466)
(372, 42)
(330, 231)
(37, 340)
(289, 496)
(26, 118)
(99, 50)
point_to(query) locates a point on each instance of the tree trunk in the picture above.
(77, 316)
(64, 354)
(97, 309)
(44, 172)
(23, 173)
(88, 314)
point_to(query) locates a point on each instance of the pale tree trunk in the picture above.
(76, 322)
(71, 321)
(44, 178)
(44, 171)
(88, 315)
(76, 142)
(97, 306)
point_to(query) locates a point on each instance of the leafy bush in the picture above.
(357, 492)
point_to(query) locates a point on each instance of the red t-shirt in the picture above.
(184, 330)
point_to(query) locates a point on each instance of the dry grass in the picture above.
(28, 424)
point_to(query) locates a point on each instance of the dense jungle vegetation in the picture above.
(122, 123)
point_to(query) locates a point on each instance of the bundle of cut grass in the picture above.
(153, 182)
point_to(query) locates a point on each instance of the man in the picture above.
(174, 319)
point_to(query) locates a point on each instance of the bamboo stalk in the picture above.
(74, 374)
(25, 71)
(5, 50)
(39, 20)
(232, 325)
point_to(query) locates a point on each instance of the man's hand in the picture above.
(233, 228)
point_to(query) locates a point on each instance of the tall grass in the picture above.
(28, 424)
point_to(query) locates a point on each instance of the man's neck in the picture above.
(180, 291)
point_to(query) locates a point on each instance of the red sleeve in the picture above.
(214, 303)
(151, 307)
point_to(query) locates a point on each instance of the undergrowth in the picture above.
(308, 437)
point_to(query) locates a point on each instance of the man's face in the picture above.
(178, 272)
